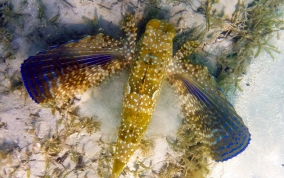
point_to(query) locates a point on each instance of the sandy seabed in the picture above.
(260, 104)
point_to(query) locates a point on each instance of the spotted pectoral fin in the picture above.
(210, 116)
(63, 71)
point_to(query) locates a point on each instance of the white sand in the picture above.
(261, 104)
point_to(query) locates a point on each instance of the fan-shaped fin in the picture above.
(210, 115)
(62, 71)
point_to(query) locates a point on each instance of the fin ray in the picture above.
(210, 115)
(62, 71)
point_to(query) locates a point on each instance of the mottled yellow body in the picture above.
(64, 71)
(152, 56)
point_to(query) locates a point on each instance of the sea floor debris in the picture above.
(242, 49)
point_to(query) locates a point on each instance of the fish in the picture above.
(63, 71)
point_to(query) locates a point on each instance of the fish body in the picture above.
(143, 88)
(63, 71)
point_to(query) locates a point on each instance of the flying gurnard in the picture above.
(63, 71)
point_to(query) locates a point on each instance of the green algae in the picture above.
(251, 25)
(53, 147)
(250, 28)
